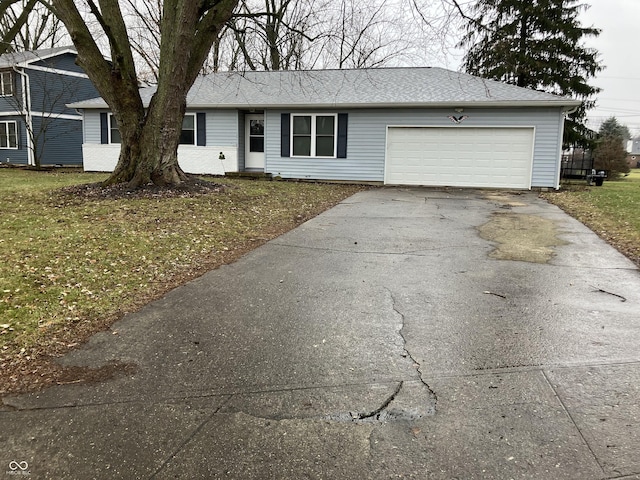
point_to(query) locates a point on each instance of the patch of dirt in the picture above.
(505, 198)
(520, 237)
(96, 191)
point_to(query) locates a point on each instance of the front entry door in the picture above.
(254, 142)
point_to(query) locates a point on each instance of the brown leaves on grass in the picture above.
(82, 256)
(610, 211)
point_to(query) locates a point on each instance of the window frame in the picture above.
(17, 136)
(195, 129)
(2, 83)
(110, 128)
(111, 120)
(314, 134)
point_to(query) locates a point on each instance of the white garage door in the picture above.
(460, 157)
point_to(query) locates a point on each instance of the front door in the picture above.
(254, 142)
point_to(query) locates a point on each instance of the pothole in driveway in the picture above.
(520, 237)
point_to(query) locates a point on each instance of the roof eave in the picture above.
(560, 103)
(26, 63)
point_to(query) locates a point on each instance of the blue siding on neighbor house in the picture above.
(19, 156)
(61, 62)
(367, 130)
(59, 141)
(50, 92)
(13, 102)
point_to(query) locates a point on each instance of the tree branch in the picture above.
(11, 34)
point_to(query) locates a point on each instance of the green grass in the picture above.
(612, 210)
(72, 265)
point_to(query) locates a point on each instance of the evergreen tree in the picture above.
(612, 128)
(535, 44)
(610, 152)
(611, 156)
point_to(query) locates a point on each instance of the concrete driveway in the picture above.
(406, 333)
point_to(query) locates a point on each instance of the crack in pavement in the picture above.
(378, 412)
(413, 253)
(408, 353)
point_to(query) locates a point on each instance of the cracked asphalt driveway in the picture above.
(385, 338)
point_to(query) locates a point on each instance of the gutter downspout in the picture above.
(565, 112)
(26, 111)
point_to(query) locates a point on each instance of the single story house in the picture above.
(397, 126)
(36, 126)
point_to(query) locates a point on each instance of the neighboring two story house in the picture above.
(36, 126)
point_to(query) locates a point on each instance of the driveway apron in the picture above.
(405, 333)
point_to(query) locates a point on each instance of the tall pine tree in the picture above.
(535, 44)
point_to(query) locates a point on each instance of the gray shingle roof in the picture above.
(8, 60)
(381, 87)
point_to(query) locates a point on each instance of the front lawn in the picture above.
(72, 265)
(612, 210)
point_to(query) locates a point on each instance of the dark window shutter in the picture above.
(201, 123)
(343, 120)
(104, 127)
(285, 134)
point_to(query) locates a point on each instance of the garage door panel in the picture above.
(469, 157)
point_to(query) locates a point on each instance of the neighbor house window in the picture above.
(8, 135)
(313, 135)
(6, 84)
(187, 135)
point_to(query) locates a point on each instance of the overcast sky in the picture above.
(619, 21)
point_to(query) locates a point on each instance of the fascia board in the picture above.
(249, 106)
(26, 63)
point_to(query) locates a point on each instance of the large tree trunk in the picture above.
(150, 136)
(149, 149)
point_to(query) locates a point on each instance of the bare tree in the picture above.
(364, 35)
(271, 34)
(144, 20)
(150, 134)
(306, 34)
(28, 25)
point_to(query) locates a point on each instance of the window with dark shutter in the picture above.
(104, 128)
(343, 120)
(285, 127)
(201, 125)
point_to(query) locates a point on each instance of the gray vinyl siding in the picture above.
(59, 141)
(91, 126)
(366, 144)
(222, 127)
(21, 155)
